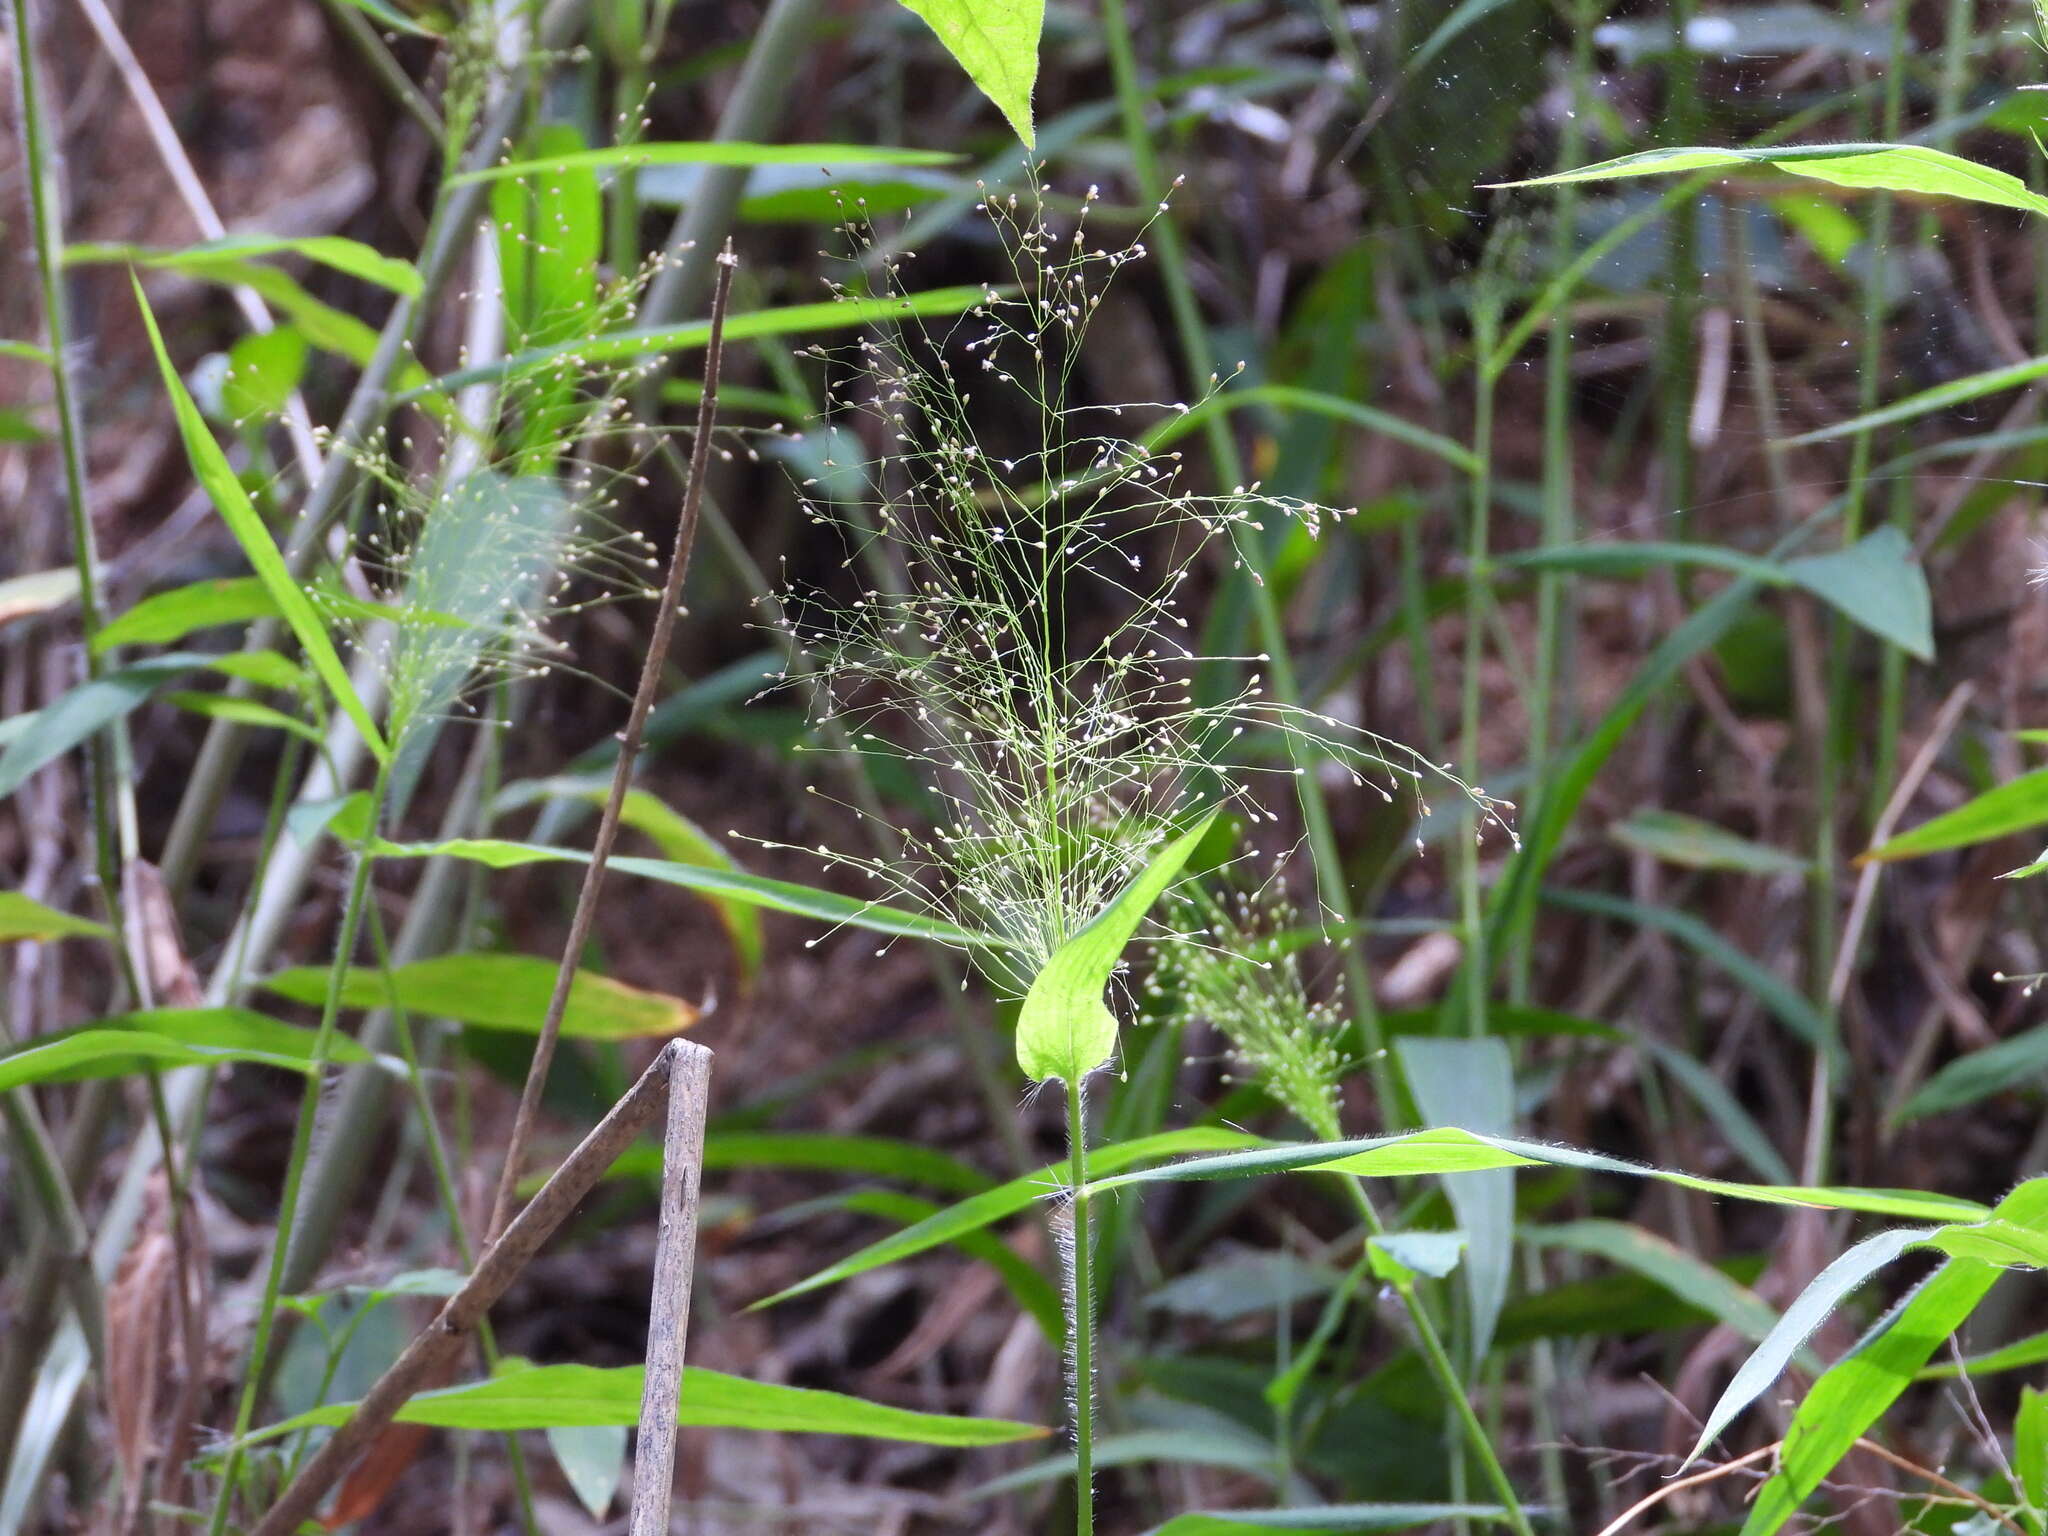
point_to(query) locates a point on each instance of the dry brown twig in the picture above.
(629, 749)
(681, 1072)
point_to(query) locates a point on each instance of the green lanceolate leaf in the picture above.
(210, 466)
(1450, 1150)
(635, 156)
(651, 341)
(168, 616)
(23, 917)
(680, 840)
(996, 42)
(208, 257)
(1065, 1029)
(1695, 844)
(1886, 167)
(1325, 1519)
(2010, 807)
(1858, 1389)
(68, 721)
(167, 1037)
(2019, 1061)
(508, 992)
(990, 1206)
(775, 895)
(556, 1396)
(1471, 1083)
(1876, 582)
(1657, 1258)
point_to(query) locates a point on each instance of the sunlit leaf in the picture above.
(553, 1396)
(23, 917)
(495, 991)
(167, 1037)
(1909, 168)
(1856, 1390)
(1064, 1028)
(996, 42)
(978, 1211)
(1471, 1084)
(708, 152)
(210, 466)
(2010, 807)
(775, 895)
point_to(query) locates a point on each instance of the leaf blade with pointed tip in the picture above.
(996, 42)
(1064, 1028)
(555, 1396)
(496, 991)
(1908, 168)
(211, 468)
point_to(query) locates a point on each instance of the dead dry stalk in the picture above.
(629, 749)
(680, 1072)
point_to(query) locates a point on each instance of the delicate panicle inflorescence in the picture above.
(1020, 635)
(1240, 972)
(475, 542)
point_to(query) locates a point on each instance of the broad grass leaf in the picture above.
(224, 706)
(1877, 583)
(167, 1037)
(593, 1459)
(1856, 1390)
(1328, 1519)
(2015, 1062)
(1028, 1286)
(775, 895)
(42, 737)
(1451, 1150)
(879, 1157)
(210, 466)
(23, 917)
(1812, 1307)
(1693, 843)
(680, 840)
(1908, 168)
(1692, 1280)
(556, 1396)
(1975, 386)
(1005, 1200)
(264, 367)
(204, 260)
(496, 991)
(1064, 1028)
(996, 42)
(1471, 1083)
(1625, 559)
(2030, 1446)
(650, 341)
(168, 616)
(2010, 807)
(632, 157)
(550, 223)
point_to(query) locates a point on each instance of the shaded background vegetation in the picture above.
(1700, 927)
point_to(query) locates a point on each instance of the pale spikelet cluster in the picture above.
(476, 540)
(1018, 637)
(1239, 971)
